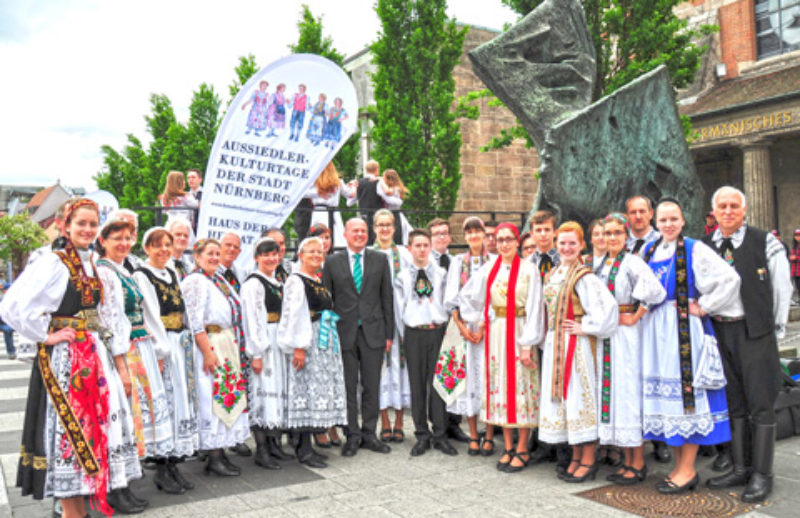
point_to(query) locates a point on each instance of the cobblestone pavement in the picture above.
(369, 484)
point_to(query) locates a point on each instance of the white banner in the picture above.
(281, 130)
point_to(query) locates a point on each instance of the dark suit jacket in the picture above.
(368, 199)
(374, 306)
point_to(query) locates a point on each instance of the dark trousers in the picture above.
(302, 218)
(8, 336)
(364, 363)
(751, 368)
(422, 351)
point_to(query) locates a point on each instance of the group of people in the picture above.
(650, 336)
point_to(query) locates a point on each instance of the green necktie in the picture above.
(357, 273)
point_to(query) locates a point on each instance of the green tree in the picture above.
(415, 126)
(631, 38)
(246, 68)
(19, 235)
(311, 41)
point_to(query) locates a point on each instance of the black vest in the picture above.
(72, 302)
(170, 297)
(319, 298)
(750, 262)
(273, 298)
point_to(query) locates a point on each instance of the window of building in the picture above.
(777, 27)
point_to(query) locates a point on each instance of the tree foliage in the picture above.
(19, 235)
(415, 127)
(631, 38)
(246, 68)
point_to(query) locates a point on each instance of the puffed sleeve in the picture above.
(716, 280)
(36, 293)
(346, 191)
(534, 330)
(295, 330)
(152, 315)
(195, 296)
(254, 316)
(602, 313)
(646, 287)
(401, 294)
(472, 297)
(780, 277)
(111, 311)
(390, 199)
(453, 284)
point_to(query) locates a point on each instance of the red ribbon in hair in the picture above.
(511, 339)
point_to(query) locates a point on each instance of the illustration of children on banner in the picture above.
(259, 103)
(299, 106)
(276, 113)
(333, 126)
(316, 126)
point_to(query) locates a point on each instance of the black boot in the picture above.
(723, 462)
(274, 447)
(231, 465)
(127, 493)
(305, 453)
(216, 465)
(263, 457)
(739, 474)
(760, 484)
(164, 481)
(172, 467)
(116, 499)
(241, 450)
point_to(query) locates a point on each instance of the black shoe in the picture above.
(723, 462)
(740, 473)
(661, 452)
(759, 486)
(231, 466)
(127, 493)
(164, 481)
(149, 463)
(444, 446)
(264, 459)
(474, 452)
(511, 468)
(217, 466)
(589, 475)
(120, 504)
(350, 447)
(501, 466)
(313, 462)
(241, 450)
(420, 447)
(543, 453)
(454, 432)
(487, 452)
(178, 476)
(639, 475)
(668, 487)
(372, 443)
(275, 450)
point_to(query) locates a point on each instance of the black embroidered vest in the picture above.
(319, 298)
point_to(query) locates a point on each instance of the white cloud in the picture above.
(78, 75)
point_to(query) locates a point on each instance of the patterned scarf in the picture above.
(605, 400)
(466, 265)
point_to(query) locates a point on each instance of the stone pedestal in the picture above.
(757, 175)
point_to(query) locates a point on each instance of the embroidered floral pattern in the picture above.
(229, 386)
(451, 370)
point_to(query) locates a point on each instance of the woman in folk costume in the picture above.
(74, 391)
(135, 325)
(462, 268)
(307, 334)
(215, 319)
(160, 287)
(619, 358)
(684, 398)
(395, 391)
(599, 248)
(579, 308)
(262, 301)
(500, 288)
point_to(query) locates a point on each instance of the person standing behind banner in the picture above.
(504, 299)
(307, 335)
(360, 284)
(462, 268)
(299, 107)
(214, 313)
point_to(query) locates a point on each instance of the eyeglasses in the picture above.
(441, 234)
(504, 240)
(384, 225)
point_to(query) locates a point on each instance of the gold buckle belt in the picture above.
(84, 320)
(173, 321)
(273, 317)
(212, 329)
(500, 312)
(627, 308)
(429, 326)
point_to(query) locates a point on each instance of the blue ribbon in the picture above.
(328, 331)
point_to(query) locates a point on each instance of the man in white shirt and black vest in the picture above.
(748, 337)
(543, 229)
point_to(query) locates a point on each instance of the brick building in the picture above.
(498, 180)
(745, 105)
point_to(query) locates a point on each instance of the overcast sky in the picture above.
(78, 74)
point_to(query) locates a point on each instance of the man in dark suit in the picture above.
(367, 196)
(360, 284)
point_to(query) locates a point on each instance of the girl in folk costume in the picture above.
(276, 113)
(316, 126)
(501, 288)
(325, 192)
(395, 391)
(160, 287)
(215, 319)
(181, 231)
(333, 125)
(462, 268)
(599, 248)
(307, 334)
(74, 391)
(684, 398)
(262, 300)
(578, 305)
(259, 105)
(392, 191)
(135, 324)
(619, 359)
